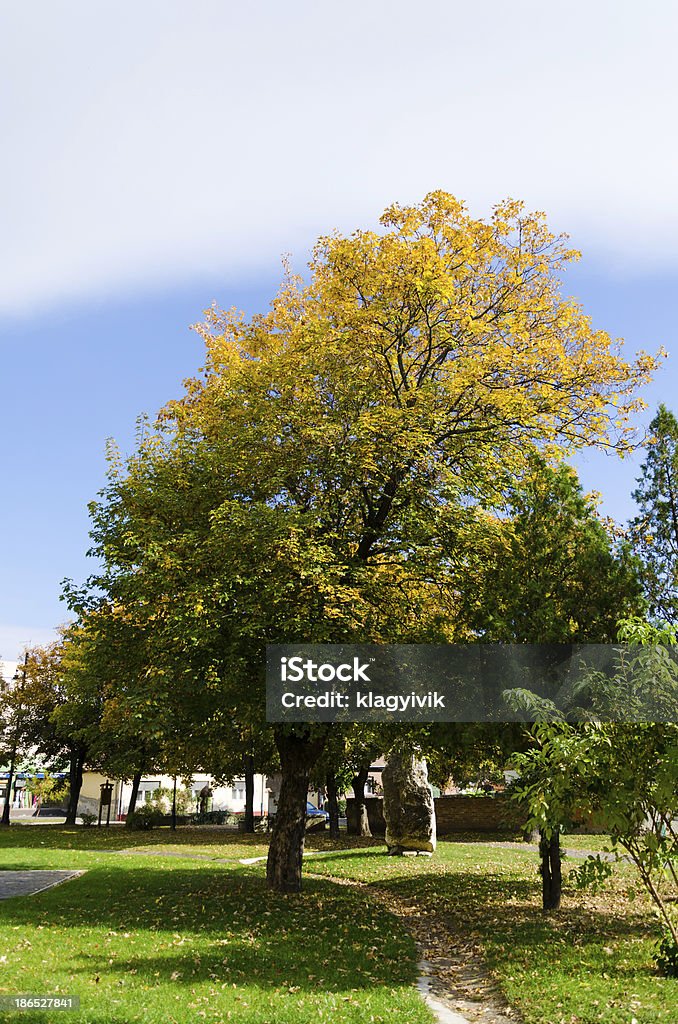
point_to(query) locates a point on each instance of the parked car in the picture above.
(314, 812)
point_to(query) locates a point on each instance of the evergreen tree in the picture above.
(551, 570)
(655, 528)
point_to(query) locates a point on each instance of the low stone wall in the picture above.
(495, 813)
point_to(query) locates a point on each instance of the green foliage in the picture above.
(666, 956)
(592, 874)
(551, 570)
(655, 529)
(48, 789)
(214, 818)
(144, 818)
(88, 819)
(162, 798)
(627, 774)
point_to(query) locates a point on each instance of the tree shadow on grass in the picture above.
(502, 914)
(190, 926)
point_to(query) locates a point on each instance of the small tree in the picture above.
(624, 771)
(59, 717)
(48, 789)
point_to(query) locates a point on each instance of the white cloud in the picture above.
(147, 142)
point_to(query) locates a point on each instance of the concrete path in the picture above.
(577, 853)
(27, 883)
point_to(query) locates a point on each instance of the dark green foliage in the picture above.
(655, 528)
(667, 955)
(555, 571)
(144, 819)
(211, 818)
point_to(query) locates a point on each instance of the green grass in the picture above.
(589, 963)
(584, 842)
(162, 939)
(154, 937)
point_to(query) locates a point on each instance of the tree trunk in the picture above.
(332, 804)
(8, 794)
(248, 761)
(136, 782)
(298, 753)
(75, 785)
(358, 784)
(551, 874)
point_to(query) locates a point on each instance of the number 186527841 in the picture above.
(39, 1002)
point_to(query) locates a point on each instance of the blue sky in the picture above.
(164, 155)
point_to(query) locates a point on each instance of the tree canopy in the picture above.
(323, 480)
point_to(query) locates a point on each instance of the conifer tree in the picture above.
(655, 528)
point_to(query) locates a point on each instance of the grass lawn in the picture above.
(165, 939)
(591, 962)
(157, 937)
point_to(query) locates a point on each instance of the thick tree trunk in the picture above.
(298, 753)
(136, 782)
(362, 819)
(75, 785)
(551, 872)
(332, 804)
(249, 792)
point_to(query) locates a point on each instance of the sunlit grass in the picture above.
(167, 939)
(151, 936)
(590, 962)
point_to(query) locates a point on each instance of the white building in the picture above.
(229, 797)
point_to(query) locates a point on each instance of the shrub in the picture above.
(144, 819)
(210, 818)
(161, 798)
(666, 956)
(88, 819)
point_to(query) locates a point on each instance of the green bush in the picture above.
(666, 956)
(210, 818)
(161, 798)
(144, 819)
(88, 819)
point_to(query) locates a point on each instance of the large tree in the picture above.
(655, 528)
(310, 486)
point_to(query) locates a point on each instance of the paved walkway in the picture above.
(27, 883)
(566, 851)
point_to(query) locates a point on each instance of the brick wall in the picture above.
(477, 814)
(453, 814)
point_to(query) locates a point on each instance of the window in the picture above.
(146, 788)
(238, 790)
